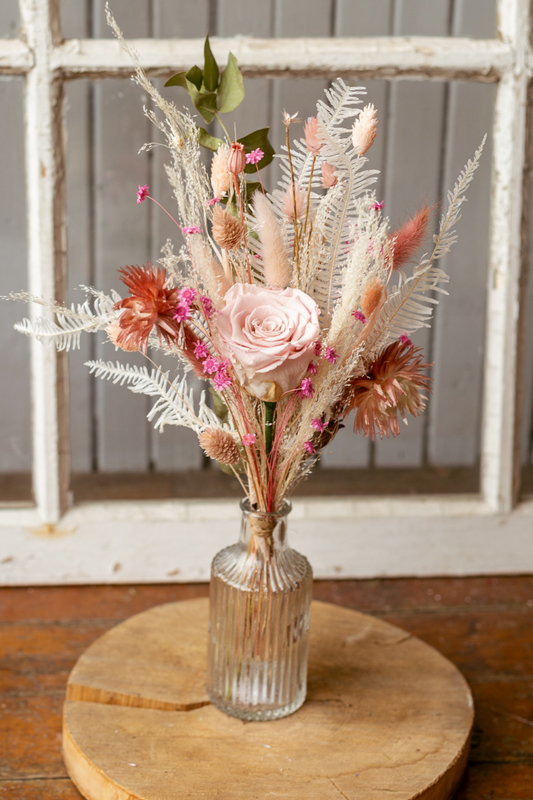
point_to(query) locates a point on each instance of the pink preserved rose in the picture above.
(270, 336)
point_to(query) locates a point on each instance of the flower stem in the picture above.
(238, 193)
(295, 247)
(223, 127)
(260, 178)
(308, 198)
(270, 410)
(163, 209)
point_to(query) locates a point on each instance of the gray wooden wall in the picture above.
(427, 131)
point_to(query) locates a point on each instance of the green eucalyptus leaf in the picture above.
(252, 142)
(251, 187)
(179, 79)
(206, 140)
(204, 102)
(239, 468)
(219, 406)
(194, 75)
(231, 89)
(211, 71)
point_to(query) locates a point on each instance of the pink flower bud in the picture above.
(236, 158)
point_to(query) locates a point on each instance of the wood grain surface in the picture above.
(483, 625)
(384, 712)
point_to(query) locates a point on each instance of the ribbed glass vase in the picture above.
(260, 598)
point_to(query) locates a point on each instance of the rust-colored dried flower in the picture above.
(219, 445)
(221, 179)
(364, 130)
(114, 332)
(236, 158)
(313, 139)
(371, 296)
(227, 230)
(152, 304)
(406, 240)
(392, 385)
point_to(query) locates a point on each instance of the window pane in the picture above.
(15, 418)
(9, 19)
(265, 18)
(526, 422)
(422, 145)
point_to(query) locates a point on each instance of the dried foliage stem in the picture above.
(241, 211)
(304, 229)
(295, 250)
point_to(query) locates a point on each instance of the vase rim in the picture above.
(246, 506)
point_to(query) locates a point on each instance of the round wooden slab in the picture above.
(384, 713)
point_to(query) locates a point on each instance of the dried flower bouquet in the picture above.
(293, 305)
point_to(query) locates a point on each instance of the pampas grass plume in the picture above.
(276, 264)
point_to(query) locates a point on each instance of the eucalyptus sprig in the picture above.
(214, 93)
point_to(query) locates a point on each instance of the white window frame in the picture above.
(344, 537)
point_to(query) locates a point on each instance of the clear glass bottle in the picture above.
(260, 599)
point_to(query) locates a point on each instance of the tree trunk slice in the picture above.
(384, 713)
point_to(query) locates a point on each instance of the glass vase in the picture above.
(259, 605)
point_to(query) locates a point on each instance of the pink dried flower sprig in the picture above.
(306, 388)
(200, 350)
(255, 156)
(248, 439)
(309, 448)
(330, 355)
(142, 193)
(318, 425)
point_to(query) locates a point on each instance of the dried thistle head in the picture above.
(392, 385)
(364, 130)
(152, 303)
(221, 179)
(227, 230)
(220, 446)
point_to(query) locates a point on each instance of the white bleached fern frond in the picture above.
(407, 308)
(175, 400)
(353, 180)
(65, 333)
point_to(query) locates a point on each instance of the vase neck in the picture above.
(263, 530)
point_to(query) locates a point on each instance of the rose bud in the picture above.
(236, 158)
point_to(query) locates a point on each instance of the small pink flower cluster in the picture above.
(142, 194)
(191, 229)
(255, 156)
(183, 309)
(218, 370)
(404, 339)
(306, 388)
(187, 297)
(248, 439)
(359, 316)
(330, 355)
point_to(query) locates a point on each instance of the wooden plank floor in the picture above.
(484, 625)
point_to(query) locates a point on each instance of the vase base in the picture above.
(255, 713)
